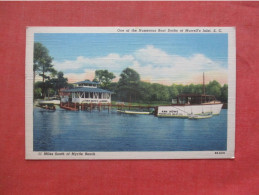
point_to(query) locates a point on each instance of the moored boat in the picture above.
(200, 116)
(47, 106)
(190, 104)
(132, 112)
(54, 101)
(195, 105)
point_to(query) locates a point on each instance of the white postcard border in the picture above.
(229, 153)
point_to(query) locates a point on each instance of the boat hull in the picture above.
(183, 111)
(131, 112)
(57, 102)
(198, 116)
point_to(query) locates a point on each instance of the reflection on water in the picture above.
(63, 130)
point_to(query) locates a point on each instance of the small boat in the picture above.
(57, 102)
(200, 116)
(132, 112)
(47, 106)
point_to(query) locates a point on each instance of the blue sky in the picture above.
(162, 58)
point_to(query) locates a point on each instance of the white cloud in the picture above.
(112, 61)
(153, 65)
(153, 55)
(156, 65)
(86, 74)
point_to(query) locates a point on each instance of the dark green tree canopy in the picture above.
(59, 81)
(128, 76)
(104, 77)
(173, 91)
(52, 80)
(224, 93)
(42, 61)
(128, 85)
(214, 88)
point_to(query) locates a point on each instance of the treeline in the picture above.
(130, 88)
(52, 80)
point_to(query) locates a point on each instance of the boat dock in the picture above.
(99, 106)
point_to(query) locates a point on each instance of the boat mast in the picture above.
(203, 84)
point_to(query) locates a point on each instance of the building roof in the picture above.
(87, 89)
(87, 82)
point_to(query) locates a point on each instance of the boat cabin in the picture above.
(195, 99)
(86, 92)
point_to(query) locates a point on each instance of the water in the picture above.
(63, 130)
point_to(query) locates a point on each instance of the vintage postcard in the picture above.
(130, 92)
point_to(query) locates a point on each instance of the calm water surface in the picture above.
(63, 130)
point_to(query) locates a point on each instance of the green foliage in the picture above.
(113, 86)
(131, 89)
(37, 93)
(51, 92)
(173, 91)
(159, 92)
(104, 77)
(53, 85)
(52, 80)
(224, 93)
(198, 89)
(129, 85)
(214, 88)
(144, 89)
(42, 61)
(180, 88)
(58, 82)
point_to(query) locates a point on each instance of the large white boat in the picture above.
(190, 104)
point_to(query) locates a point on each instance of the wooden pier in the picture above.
(69, 106)
(91, 106)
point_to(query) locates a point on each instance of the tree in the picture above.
(38, 89)
(49, 88)
(59, 82)
(214, 88)
(159, 92)
(185, 89)
(144, 91)
(173, 91)
(104, 77)
(128, 84)
(42, 63)
(180, 88)
(224, 93)
(191, 88)
(198, 89)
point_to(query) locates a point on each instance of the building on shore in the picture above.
(86, 92)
